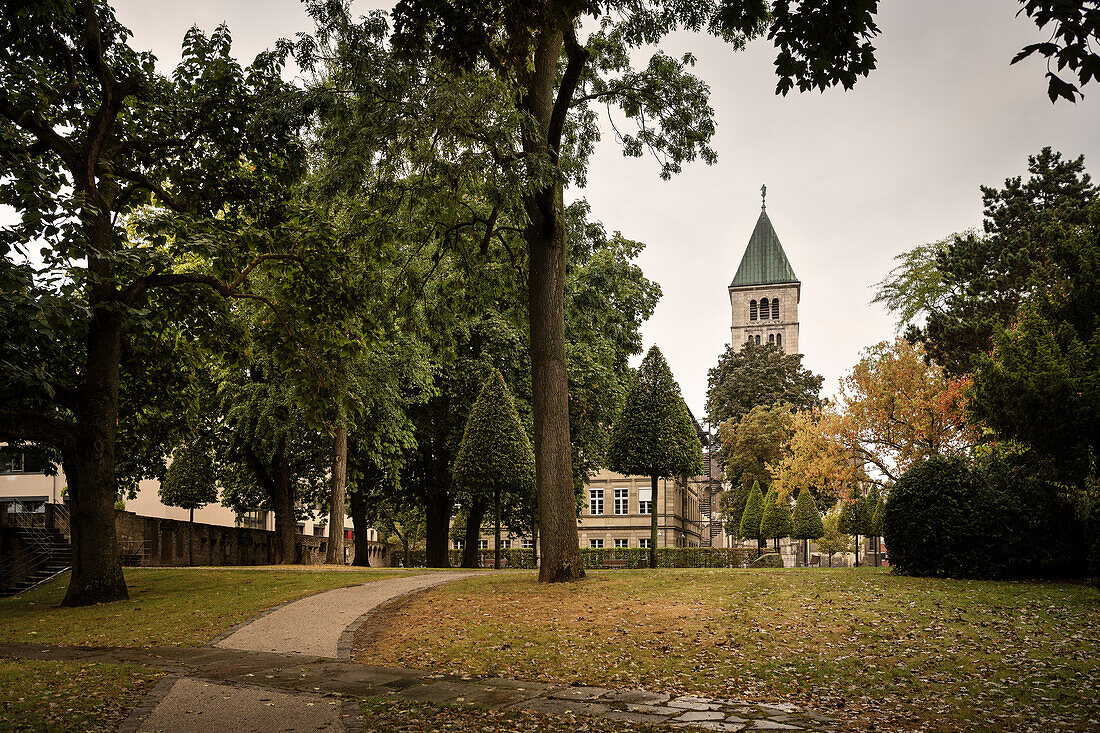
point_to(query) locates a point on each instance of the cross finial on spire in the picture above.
(763, 196)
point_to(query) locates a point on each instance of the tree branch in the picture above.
(35, 427)
(577, 56)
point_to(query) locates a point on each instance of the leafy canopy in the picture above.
(752, 516)
(654, 435)
(807, 523)
(758, 375)
(495, 455)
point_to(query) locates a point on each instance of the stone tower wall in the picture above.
(786, 324)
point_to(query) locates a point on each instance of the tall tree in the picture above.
(526, 45)
(92, 135)
(806, 522)
(748, 525)
(495, 456)
(776, 522)
(749, 449)
(758, 375)
(986, 276)
(653, 435)
(815, 457)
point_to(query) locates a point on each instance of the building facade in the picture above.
(618, 512)
(765, 292)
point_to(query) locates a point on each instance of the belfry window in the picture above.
(764, 308)
(779, 339)
(757, 339)
(775, 308)
(752, 310)
(771, 338)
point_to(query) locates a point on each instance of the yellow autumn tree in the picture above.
(816, 458)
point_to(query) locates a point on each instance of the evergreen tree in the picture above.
(495, 455)
(853, 519)
(190, 484)
(833, 540)
(807, 523)
(777, 518)
(653, 435)
(753, 515)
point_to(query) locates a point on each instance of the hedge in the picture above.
(632, 557)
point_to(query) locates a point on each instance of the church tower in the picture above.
(765, 292)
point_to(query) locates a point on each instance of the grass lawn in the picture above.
(69, 696)
(167, 606)
(862, 645)
(390, 716)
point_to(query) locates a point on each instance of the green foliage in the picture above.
(495, 454)
(752, 516)
(758, 375)
(914, 288)
(654, 435)
(807, 524)
(190, 482)
(875, 529)
(853, 516)
(833, 540)
(988, 276)
(776, 522)
(749, 447)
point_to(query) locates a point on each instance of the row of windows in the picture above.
(525, 544)
(619, 542)
(773, 338)
(767, 308)
(621, 501)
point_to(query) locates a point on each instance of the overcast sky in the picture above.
(854, 178)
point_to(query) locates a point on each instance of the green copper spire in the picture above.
(764, 261)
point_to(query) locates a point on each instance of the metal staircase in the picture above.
(47, 554)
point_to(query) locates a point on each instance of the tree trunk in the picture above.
(282, 501)
(474, 516)
(761, 544)
(359, 535)
(805, 553)
(97, 571)
(335, 552)
(535, 531)
(191, 538)
(857, 550)
(437, 529)
(653, 522)
(546, 247)
(496, 530)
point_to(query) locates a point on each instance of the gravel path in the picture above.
(314, 625)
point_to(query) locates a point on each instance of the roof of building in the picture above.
(764, 261)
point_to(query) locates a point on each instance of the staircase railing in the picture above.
(39, 545)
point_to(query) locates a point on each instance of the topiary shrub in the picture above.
(942, 519)
(769, 560)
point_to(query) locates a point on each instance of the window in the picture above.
(644, 542)
(620, 500)
(595, 544)
(595, 501)
(771, 339)
(318, 530)
(757, 339)
(527, 544)
(252, 519)
(645, 501)
(458, 544)
(775, 308)
(483, 544)
(506, 544)
(620, 543)
(778, 339)
(752, 310)
(765, 308)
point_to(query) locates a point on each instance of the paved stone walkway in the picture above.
(315, 625)
(249, 678)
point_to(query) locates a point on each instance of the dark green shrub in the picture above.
(753, 514)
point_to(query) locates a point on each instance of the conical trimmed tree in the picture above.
(495, 456)
(753, 515)
(777, 518)
(653, 435)
(807, 524)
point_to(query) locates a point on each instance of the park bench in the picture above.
(614, 564)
